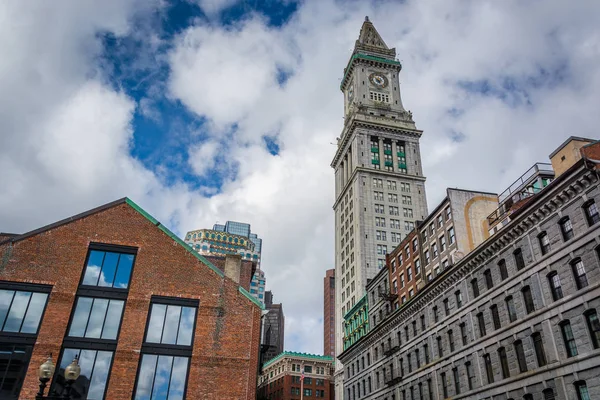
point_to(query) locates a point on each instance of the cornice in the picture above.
(370, 60)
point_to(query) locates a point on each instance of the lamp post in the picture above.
(45, 373)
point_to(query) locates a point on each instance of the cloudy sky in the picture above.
(213, 110)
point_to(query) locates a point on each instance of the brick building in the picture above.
(145, 314)
(281, 377)
(329, 313)
(515, 318)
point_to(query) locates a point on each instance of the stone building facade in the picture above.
(145, 313)
(329, 313)
(281, 377)
(516, 318)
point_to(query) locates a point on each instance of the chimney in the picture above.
(233, 267)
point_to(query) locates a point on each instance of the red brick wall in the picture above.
(275, 393)
(329, 314)
(246, 273)
(225, 356)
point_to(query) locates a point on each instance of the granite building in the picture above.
(379, 182)
(515, 318)
(273, 328)
(329, 313)
(282, 377)
(147, 316)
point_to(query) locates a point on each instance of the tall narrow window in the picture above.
(456, 381)
(470, 375)
(475, 287)
(435, 314)
(446, 307)
(439, 346)
(579, 273)
(503, 362)
(489, 282)
(417, 358)
(458, 296)
(593, 324)
(555, 286)
(510, 307)
(426, 352)
(591, 212)
(566, 228)
(451, 340)
(463, 333)
(488, 368)
(568, 339)
(481, 323)
(409, 362)
(519, 261)
(444, 384)
(495, 316)
(520, 356)
(582, 390)
(502, 269)
(544, 243)
(528, 299)
(538, 346)
(423, 322)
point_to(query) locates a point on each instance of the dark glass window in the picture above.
(426, 352)
(510, 306)
(593, 326)
(414, 325)
(463, 333)
(95, 367)
(435, 314)
(502, 269)
(503, 362)
(96, 318)
(566, 228)
(417, 358)
(446, 307)
(579, 273)
(161, 377)
(528, 299)
(519, 261)
(475, 287)
(481, 323)
(495, 316)
(568, 338)
(548, 394)
(108, 269)
(14, 360)
(470, 375)
(538, 346)
(544, 242)
(171, 324)
(582, 390)
(555, 286)
(520, 356)
(456, 380)
(439, 346)
(489, 282)
(591, 212)
(451, 340)
(488, 368)
(423, 323)
(444, 384)
(458, 296)
(21, 311)
(409, 362)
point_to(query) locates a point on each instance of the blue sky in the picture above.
(215, 110)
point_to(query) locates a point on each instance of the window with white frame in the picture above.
(380, 97)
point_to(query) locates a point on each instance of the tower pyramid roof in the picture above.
(370, 42)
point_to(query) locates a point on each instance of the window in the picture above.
(451, 340)
(95, 369)
(555, 287)
(502, 269)
(503, 362)
(528, 299)
(417, 358)
(446, 307)
(108, 269)
(308, 392)
(409, 362)
(458, 296)
(582, 390)
(456, 380)
(470, 374)
(519, 261)
(21, 311)
(591, 212)
(451, 235)
(422, 322)
(167, 348)
(488, 368)
(495, 316)
(579, 273)
(379, 97)
(593, 324)
(417, 266)
(520, 356)
(434, 250)
(544, 243)
(426, 352)
(409, 274)
(510, 306)
(481, 323)
(475, 287)
(568, 338)
(96, 318)
(463, 333)
(401, 280)
(439, 346)
(442, 243)
(538, 346)
(440, 220)
(489, 282)
(414, 325)
(435, 314)
(444, 384)
(548, 394)
(426, 257)
(566, 228)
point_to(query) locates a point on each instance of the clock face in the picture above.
(378, 80)
(350, 93)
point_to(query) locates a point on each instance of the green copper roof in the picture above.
(188, 248)
(366, 57)
(309, 356)
(359, 304)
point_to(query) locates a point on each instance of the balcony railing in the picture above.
(375, 162)
(387, 295)
(524, 179)
(391, 380)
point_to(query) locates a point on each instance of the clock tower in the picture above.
(379, 182)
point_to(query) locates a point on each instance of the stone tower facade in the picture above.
(379, 182)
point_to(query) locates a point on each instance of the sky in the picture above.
(203, 111)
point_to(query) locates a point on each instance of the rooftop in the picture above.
(293, 354)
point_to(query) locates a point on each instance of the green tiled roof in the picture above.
(309, 356)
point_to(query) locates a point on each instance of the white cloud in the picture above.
(66, 135)
(214, 7)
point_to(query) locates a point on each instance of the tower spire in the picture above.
(370, 42)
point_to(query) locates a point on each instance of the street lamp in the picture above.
(46, 371)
